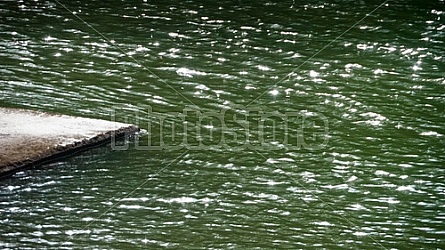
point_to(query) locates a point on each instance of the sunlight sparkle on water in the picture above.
(263, 68)
(313, 73)
(49, 38)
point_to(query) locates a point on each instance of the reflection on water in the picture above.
(377, 184)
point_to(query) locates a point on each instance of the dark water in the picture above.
(354, 160)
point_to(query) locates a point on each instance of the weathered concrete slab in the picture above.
(30, 138)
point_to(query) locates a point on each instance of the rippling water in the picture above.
(378, 80)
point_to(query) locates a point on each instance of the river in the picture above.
(266, 125)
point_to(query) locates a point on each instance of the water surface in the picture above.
(378, 183)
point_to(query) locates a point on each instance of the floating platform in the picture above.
(31, 138)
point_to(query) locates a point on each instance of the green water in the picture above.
(351, 155)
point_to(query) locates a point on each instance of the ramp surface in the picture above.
(30, 138)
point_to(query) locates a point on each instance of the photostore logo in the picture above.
(234, 128)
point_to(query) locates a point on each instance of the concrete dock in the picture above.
(31, 138)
